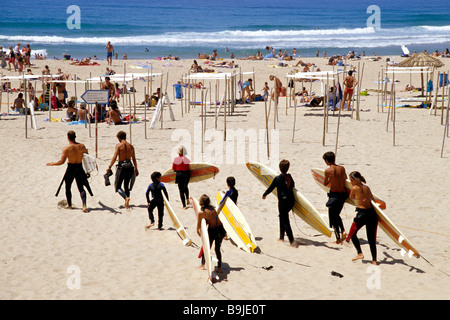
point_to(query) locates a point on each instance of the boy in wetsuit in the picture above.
(335, 176)
(216, 232)
(125, 172)
(232, 193)
(156, 188)
(285, 191)
(365, 215)
(74, 155)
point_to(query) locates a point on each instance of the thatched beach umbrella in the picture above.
(421, 60)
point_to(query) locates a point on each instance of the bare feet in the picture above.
(127, 203)
(218, 270)
(149, 226)
(359, 256)
(374, 263)
(202, 267)
(84, 208)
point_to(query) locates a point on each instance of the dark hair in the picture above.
(231, 181)
(350, 73)
(155, 176)
(71, 135)
(20, 95)
(204, 201)
(329, 156)
(71, 103)
(357, 176)
(284, 166)
(114, 105)
(122, 135)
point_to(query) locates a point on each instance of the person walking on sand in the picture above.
(127, 170)
(73, 153)
(335, 177)
(365, 215)
(180, 165)
(349, 84)
(216, 231)
(156, 188)
(109, 52)
(285, 191)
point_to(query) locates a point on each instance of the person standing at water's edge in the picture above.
(74, 155)
(126, 172)
(109, 52)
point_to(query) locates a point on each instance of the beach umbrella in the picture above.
(421, 60)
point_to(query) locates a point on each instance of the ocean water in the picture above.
(147, 29)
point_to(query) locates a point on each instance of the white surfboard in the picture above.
(235, 224)
(181, 231)
(205, 250)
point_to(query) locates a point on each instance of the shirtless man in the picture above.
(335, 177)
(74, 154)
(125, 172)
(109, 52)
(107, 85)
(365, 215)
(349, 84)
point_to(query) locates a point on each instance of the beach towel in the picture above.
(442, 80)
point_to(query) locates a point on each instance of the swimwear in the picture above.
(216, 235)
(157, 201)
(183, 175)
(109, 54)
(232, 193)
(285, 191)
(369, 218)
(125, 173)
(335, 204)
(76, 171)
(348, 90)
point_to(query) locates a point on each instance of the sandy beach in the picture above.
(112, 256)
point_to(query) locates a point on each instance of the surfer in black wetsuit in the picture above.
(335, 176)
(74, 155)
(156, 188)
(285, 191)
(126, 173)
(216, 231)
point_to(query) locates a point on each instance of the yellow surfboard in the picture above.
(302, 207)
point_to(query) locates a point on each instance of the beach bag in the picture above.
(89, 164)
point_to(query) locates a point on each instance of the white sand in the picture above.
(118, 259)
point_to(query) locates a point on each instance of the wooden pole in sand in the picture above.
(145, 110)
(325, 107)
(337, 131)
(393, 109)
(295, 113)
(225, 111)
(267, 127)
(275, 108)
(25, 108)
(202, 115)
(446, 126)
(443, 96)
(378, 92)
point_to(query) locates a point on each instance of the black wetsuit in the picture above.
(182, 180)
(369, 218)
(157, 201)
(125, 173)
(76, 171)
(285, 191)
(335, 204)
